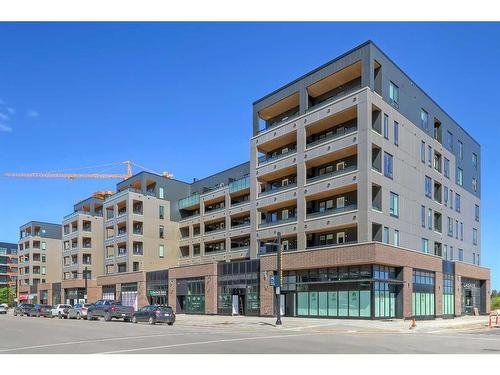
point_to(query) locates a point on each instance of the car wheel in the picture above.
(78, 316)
(152, 321)
(89, 316)
(126, 320)
(59, 315)
(37, 315)
(107, 316)
(134, 320)
(170, 324)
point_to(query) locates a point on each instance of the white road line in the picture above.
(207, 342)
(90, 341)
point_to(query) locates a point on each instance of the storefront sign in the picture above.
(157, 293)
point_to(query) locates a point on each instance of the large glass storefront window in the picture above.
(157, 287)
(129, 295)
(448, 295)
(423, 298)
(191, 295)
(238, 287)
(343, 292)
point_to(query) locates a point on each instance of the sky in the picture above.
(178, 97)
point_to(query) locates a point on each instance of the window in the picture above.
(425, 245)
(429, 218)
(445, 252)
(476, 212)
(386, 235)
(474, 236)
(161, 231)
(424, 120)
(461, 255)
(460, 150)
(44, 270)
(450, 140)
(474, 184)
(394, 204)
(451, 253)
(428, 187)
(161, 193)
(450, 227)
(161, 251)
(446, 168)
(422, 216)
(396, 237)
(388, 165)
(161, 213)
(422, 152)
(394, 93)
(456, 229)
(429, 155)
(461, 231)
(451, 199)
(44, 245)
(460, 177)
(474, 161)
(386, 126)
(445, 196)
(396, 133)
(473, 258)
(457, 202)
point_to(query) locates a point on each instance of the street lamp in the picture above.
(277, 286)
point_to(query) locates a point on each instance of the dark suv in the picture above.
(23, 309)
(41, 310)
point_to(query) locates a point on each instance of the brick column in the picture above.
(266, 294)
(407, 292)
(487, 295)
(211, 294)
(438, 294)
(142, 298)
(172, 293)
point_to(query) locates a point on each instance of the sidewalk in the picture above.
(299, 324)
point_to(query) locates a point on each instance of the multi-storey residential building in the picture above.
(82, 250)
(8, 265)
(374, 189)
(39, 269)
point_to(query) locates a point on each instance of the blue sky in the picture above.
(178, 97)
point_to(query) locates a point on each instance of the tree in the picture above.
(7, 295)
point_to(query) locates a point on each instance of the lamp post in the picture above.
(85, 278)
(278, 285)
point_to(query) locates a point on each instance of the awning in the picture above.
(23, 297)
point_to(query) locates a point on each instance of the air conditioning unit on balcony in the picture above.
(284, 182)
(222, 225)
(341, 202)
(341, 166)
(285, 245)
(285, 150)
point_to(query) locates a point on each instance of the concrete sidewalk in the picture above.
(301, 324)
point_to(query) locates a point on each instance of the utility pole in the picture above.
(280, 276)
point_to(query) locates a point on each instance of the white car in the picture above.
(61, 311)
(4, 308)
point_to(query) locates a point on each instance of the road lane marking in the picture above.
(207, 342)
(91, 341)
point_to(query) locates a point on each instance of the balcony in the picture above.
(276, 155)
(239, 185)
(333, 173)
(333, 211)
(331, 135)
(280, 112)
(334, 237)
(275, 189)
(192, 201)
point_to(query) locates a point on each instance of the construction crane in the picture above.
(73, 176)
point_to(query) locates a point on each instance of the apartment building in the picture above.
(8, 265)
(83, 249)
(374, 189)
(39, 268)
(140, 235)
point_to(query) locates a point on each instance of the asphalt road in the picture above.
(55, 336)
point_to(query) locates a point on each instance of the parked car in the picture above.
(109, 310)
(79, 311)
(41, 310)
(23, 309)
(61, 311)
(154, 314)
(4, 308)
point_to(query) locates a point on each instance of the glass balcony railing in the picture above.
(332, 211)
(193, 200)
(338, 134)
(240, 225)
(320, 246)
(277, 222)
(276, 189)
(267, 159)
(238, 185)
(352, 168)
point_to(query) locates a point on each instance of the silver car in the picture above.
(4, 308)
(79, 311)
